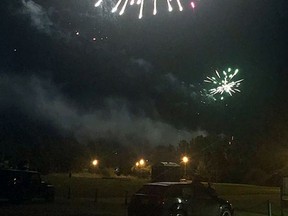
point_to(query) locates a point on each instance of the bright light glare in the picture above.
(142, 162)
(185, 159)
(95, 162)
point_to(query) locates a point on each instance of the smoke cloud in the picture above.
(39, 17)
(41, 99)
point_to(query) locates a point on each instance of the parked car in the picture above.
(20, 185)
(178, 199)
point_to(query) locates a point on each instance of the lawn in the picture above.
(85, 186)
(248, 200)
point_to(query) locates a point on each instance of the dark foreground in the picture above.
(65, 207)
(81, 207)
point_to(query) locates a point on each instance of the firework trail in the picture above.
(141, 3)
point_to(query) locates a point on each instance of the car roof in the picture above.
(169, 183)
(18, 171)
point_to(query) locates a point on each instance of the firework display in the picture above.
(224, 83)
(121, 5)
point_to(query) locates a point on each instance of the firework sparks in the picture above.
(193, 5)
(223, 83)
(141, 3)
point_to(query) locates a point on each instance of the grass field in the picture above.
(86, 186)
(248, 200)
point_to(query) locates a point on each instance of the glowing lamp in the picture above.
(95, 162)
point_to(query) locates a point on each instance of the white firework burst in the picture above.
(224, 83)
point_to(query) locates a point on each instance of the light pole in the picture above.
(95, 164)
(185, 160)
(140, 165)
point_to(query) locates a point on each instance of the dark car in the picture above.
(178, 199)
(20, 185)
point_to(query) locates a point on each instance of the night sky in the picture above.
(67, 67)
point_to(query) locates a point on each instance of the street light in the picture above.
(142, 162)
(95, 163)
(140, 165)
(185, 160)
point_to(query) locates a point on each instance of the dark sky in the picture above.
(68, 67)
